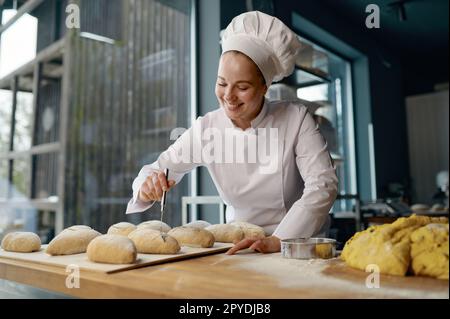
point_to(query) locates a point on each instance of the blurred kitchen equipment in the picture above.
(443, 188)
(281, 91)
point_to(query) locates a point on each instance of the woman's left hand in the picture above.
(269, 244)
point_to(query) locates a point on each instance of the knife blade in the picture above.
(164, 196)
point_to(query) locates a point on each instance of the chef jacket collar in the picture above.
(262, 114)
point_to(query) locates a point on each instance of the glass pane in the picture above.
(4, 178)
(322, 83)
(331, 108)
(18, 45)
(127, 97)
(314, 93)
(20, 217)
(21, 178)
(24, 121)
(45, 225)
(5, 119)
(51, 17)
(45, 175)
(47, 124)
(313, 58)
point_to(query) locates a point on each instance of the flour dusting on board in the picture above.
(295, 273)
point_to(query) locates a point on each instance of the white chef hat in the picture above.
(264, 39)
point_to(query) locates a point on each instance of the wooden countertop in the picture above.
(245, 275)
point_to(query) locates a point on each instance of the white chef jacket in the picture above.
(289, 196)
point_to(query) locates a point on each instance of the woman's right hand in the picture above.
(153, 187)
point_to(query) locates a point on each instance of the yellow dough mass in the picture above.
(397, 246)
(429, 251)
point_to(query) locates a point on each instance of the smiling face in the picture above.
(240, 88)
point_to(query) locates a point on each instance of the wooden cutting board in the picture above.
(82, 261)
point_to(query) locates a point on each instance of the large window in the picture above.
(91, 108)
(5, 120)
(130, 89)
(322, 82)
(18, 43)
(326, 82)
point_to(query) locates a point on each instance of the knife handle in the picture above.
(163, 199)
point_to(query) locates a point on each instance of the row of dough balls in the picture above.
(156, 237)
(226, 233)
(124, 240)
(72, 240)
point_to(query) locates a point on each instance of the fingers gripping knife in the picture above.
(163, 200)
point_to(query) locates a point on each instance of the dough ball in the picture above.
(429, 251)
(156, 225)
(72, 240)
(21, 242)
(112, 249)
(226, 233)
(150, 241)
(194, 237)
(77, 227)
(250, 230)
(198, 224)
(122, 228)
